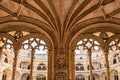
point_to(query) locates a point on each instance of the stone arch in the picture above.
(33, 25)
(9, 37)
(92, 23)
(83, 36)
(114, 73)
(41, 77)
(115, 58)
(79, 66)
(117, 36)
(25, 76)
(96, 76)
(41, 66)
(24, 64)
(72, 46)
(17, 76)
(113, 43)
(80, 76)
(48, 45)
(61, 76)
(27, 24)
(35, 35)
(97, 66)
(103, 75)
(8, 73)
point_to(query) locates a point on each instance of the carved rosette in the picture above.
(18, 35)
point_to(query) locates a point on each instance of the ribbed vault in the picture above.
(59, 17)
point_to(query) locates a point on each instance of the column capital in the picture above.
(105, 51)
(89, 52)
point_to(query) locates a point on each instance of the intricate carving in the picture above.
(89, 44)
(61, 76)
(18, 35)
(6, 43)
(34, 43)
(61, 60)
(115, 45)
(104, 35)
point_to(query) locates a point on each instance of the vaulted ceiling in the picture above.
(62, 18)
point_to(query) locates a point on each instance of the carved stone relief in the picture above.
(61, 76)
(61, 59)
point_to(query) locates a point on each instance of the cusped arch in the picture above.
(83, 36)
(117, 36)
(25, 76)
(11, 38)
(80, 76)
(35, 35)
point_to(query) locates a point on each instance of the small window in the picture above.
(81, 58)
(80, 78)
(116, 77)
(89, 78)
(28, 78)
(41, 67)
(4, 77)
(29, 67)
(79, 67)
(114, 61)
(41, 78)
(6, 60)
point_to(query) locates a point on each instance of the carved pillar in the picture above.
(62, 64)
(16, 52)
(107, 65)
(90, 64)
(31, 65)
(50, 65)
(72, 65)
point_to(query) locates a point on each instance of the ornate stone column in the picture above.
(90, 64)
(50, 65)
(61, 64)
(71, 65)
(16, 52)
(31, 65)
(107, 65)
